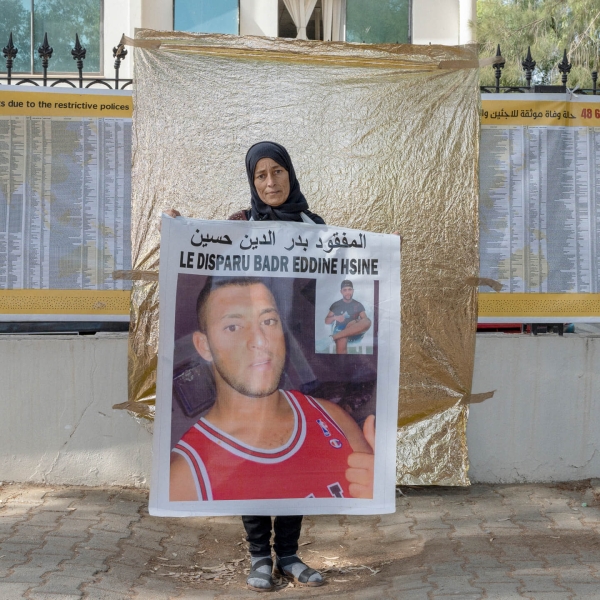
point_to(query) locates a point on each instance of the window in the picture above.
(207, 16)
(61, 20)
(368, 22)
(288, 29)
(378, 21)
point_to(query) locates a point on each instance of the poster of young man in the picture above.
(251, 417)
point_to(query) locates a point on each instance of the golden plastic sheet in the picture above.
(383, 138)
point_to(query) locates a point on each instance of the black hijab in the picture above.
(295, 204)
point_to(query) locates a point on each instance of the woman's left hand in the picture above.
(361, 465)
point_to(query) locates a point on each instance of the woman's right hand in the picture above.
(170, 212)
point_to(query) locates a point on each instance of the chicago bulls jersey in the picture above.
(312, 463)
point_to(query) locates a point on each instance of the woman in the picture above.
(274, 190)
(274, 196)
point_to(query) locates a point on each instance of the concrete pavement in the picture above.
(486, 541)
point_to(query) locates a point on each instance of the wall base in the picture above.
(543, 423)
(58, 425)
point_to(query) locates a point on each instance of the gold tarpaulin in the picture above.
(383, 138)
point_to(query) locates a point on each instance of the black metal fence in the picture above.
(528, 64)
(78, 53)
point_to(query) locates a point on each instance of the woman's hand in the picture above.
(170, 212)
(361, 465)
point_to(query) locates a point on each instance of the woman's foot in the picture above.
(259, 579)
(293, 568)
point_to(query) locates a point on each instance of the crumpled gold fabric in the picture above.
(383, 138)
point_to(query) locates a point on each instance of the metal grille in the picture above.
(78, 53)
(528, 64)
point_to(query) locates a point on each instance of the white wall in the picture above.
(57, 425)
(118, 16)
(468, 14)
(124, 17)
(258, 17)
(543, 423)
(436, 22)
(157, 14)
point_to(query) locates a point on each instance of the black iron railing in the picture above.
(528, 64)
(78, 53)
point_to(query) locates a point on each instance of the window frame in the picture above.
(344, 17)
(239, 10)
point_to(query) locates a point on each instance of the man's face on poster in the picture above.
(244, 339)
(347, 293)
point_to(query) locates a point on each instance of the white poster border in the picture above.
(386, 248)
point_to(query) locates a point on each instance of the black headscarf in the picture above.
(295, 204)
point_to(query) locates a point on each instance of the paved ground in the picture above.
(512, 541)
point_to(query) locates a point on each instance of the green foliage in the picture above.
(15, 18)
(377, 21)
(549, 27)
(61, 19)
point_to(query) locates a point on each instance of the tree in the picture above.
(61, 19)
(16, 19)
(549, 27)
(377, 21)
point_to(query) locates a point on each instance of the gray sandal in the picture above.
(255, 574)
(303, 577)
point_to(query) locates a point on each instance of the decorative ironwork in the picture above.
(78, 53)
(119, 54)
(10, 53)
(564, 66)
(528, 66)
(498, 69)
(45, 51)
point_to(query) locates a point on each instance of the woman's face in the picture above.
(272, 182)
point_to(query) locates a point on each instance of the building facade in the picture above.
(100, 24)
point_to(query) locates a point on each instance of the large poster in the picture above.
(540, 207)
(279, 357)
(65, 204)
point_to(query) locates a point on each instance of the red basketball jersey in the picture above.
(311, 464)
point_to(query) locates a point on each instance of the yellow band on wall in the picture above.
(539, 305)
(64, 302)
(37, 104)
(540, 112)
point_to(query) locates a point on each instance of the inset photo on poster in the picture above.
(345, 316)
